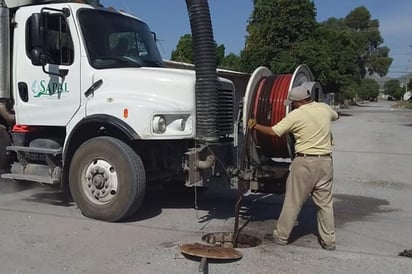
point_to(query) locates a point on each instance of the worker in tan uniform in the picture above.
(311, 171)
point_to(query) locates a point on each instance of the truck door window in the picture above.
(58, 41)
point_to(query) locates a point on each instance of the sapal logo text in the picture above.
(42, 88)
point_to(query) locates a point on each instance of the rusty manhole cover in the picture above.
(206, 252)
(225, 239)
(219, 247)
(210, 251)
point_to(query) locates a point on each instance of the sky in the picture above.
(170, 21)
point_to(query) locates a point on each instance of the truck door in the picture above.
(42, 96)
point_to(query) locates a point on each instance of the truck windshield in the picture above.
(114, 40)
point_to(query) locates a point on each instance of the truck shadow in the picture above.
(157, 198)
(9, 186)
(34, 192)
(52, 196)
(258, 211)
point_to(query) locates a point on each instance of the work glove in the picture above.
(251, 123)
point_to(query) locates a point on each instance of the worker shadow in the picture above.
(354, 208)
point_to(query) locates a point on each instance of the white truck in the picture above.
(86, 102)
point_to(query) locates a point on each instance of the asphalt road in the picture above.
(42, 233)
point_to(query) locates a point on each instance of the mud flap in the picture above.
(5, 141)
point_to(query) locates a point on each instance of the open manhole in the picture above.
(225, 239)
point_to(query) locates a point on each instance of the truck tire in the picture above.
(107, 179)
(4, 157)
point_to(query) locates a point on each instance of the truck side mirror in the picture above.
(66, 12)
(37, 37)
(37, 57)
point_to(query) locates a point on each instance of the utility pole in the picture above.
(406, 71)
(407, 68)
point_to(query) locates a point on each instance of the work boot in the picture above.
(328, 247)
(274, 238)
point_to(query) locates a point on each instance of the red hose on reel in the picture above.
(269, 109)
(264, 100)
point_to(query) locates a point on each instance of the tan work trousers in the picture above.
(309, 175)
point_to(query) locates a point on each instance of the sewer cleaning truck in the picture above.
(87, 103)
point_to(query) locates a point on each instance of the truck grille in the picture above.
(225, 109)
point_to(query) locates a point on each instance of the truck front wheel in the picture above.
(107, 179)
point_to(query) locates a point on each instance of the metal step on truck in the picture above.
(87, 103)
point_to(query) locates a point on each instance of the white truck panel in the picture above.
(146, 92)
(52, 100)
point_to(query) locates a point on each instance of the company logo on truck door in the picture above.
(43, 88)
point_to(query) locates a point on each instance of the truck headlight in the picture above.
(159, 124)
(182, 124)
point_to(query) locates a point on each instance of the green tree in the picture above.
(330, 53)
(393, 88)
(275, 29)
(372, 56)
(368, 89)
(220, 53)
(410, 84)
(349, 92)
(231, 62)
(184, 51)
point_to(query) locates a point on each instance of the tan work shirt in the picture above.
(310, 124)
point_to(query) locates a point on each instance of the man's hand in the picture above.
(251, 123)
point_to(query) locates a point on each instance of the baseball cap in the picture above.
(297, 94)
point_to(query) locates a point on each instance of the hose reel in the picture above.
(265, 98)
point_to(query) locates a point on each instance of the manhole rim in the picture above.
(244, 240)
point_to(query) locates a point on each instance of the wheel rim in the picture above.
(100, 182)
